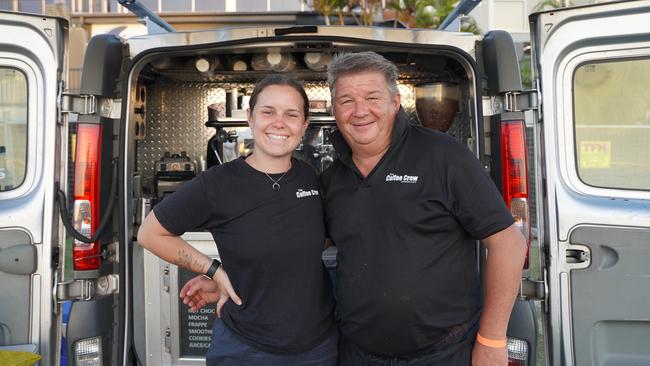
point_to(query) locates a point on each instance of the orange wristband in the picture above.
(493, 343)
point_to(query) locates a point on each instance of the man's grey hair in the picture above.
(349, 63)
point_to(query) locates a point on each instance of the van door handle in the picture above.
(18, 259)
(577, 256)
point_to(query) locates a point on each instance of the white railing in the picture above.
(106, 6)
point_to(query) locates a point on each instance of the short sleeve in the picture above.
(475, 201)
(185, 209)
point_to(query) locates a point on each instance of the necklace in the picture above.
(276, 183)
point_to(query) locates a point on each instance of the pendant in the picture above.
(275, 186)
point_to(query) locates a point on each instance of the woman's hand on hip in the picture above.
(199, 292)
(226, 290)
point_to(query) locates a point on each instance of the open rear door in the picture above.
(31, 59)
(594, 66)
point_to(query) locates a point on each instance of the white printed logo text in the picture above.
(306, 193)
(404, 178)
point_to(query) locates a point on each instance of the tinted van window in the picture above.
(13, 128)
(612, 124)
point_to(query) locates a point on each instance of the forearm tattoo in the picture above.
(186, 260)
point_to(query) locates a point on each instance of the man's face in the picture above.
(365, 110)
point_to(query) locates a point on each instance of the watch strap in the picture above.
(213, 269)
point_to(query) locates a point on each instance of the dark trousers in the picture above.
(227, 349)
(455, 354)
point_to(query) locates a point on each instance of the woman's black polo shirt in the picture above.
(406, 238)
(270, 242)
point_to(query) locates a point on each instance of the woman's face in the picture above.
(277, 122)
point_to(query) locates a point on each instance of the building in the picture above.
(90, 17)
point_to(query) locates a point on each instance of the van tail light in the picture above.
(514, 175)
(517, 352)
(85, 214)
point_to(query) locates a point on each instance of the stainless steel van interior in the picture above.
(187, 112)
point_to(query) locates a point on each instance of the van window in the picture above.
(612, 124)
(13, 128)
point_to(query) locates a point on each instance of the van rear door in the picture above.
(31, 62)
(594, 67)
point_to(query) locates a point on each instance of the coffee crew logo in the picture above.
(404, 178)
(306, 193)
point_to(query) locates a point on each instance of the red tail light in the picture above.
(86, 195)
(514, 175)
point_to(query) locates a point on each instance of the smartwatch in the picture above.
(212, 270)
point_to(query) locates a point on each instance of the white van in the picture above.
(92, 165)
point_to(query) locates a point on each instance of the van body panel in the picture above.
(103, 60)
(463, 41)
(31, 63)
(90, 319)
(594, 140)
(523, 326)
(500, 59)
(103, 316)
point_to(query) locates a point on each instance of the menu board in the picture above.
(195, 326)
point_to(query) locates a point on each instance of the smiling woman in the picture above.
(264, 212)
(277, 118)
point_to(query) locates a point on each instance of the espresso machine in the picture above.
(171, 171)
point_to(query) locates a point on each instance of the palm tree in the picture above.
(469, 25)
(367, 10)
(341, 8)
(325, 7)
(553, 4)
(404, 9)
(412, 13)
(427, 13)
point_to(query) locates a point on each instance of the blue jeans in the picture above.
(227, 349)
(455, 354)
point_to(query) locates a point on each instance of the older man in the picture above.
(405, 206)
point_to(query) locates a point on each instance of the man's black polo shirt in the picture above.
(406, 237)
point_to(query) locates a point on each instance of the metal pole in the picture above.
(463, 8)
(142, 11)
(490, 6)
